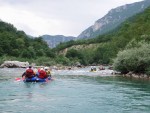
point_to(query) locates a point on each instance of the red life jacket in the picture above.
(29, 73)
(42, 74)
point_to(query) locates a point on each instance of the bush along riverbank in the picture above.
(134, 61)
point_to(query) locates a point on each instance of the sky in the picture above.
(56, 17)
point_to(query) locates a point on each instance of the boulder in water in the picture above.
(14, 64)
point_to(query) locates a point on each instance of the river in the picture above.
(74, 91)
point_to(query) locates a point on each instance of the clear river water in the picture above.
(74, 91)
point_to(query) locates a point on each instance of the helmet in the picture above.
(46, 68)
(41, 69)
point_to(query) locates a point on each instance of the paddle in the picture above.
(19, 79)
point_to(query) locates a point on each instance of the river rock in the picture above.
(14, 64)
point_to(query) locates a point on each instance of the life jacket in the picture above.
(29, 73)
(42, 74)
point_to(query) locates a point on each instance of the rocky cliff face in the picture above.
(53, 41)
(113, 19)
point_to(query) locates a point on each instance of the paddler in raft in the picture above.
(43, 73)
(47, 70)
(29, 73)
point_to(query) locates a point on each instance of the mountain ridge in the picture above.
(54, 40)
(113, 18)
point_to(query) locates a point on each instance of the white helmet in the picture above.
(45, 68)
(41, 69)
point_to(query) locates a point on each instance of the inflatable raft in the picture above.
(36, 79)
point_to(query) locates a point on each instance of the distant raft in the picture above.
(93, 70)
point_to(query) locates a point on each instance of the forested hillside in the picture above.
(16, 44)
(135, 29)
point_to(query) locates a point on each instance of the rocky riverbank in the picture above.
(136, 76)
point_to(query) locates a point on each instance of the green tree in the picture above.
(136, 60)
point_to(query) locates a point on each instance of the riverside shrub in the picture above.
(136, 60)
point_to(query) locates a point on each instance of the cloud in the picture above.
(64, 17)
